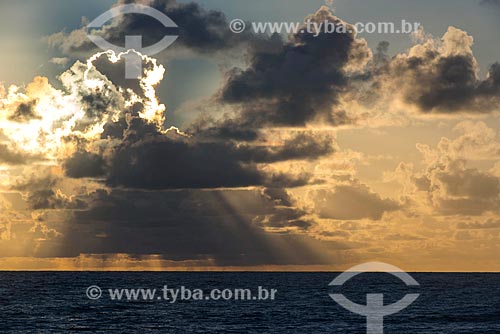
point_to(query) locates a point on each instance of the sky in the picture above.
(250, 151)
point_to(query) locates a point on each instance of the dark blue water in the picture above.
(43, 302)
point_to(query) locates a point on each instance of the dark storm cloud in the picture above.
(295, 81)
(186, 225)
(287, 83)
(148, 159)
(202, 30)
(442, 79)
(225, 130)
(142, 157)
(84, 164)
(166, 188)
(454, 86)
(301, 146)
(199, 30)
(160, 162)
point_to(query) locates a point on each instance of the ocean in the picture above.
(57, 302)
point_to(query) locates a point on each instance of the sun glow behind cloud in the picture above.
(39, 119)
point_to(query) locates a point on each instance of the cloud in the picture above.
(50, 199)
(447, 182)
(24, 112)
(352, 202)
(288, 82)
(164, 163)
(200, 31)
(294, 82)
(440, 76)
(469, 183)
(42, 192)
(402, 237)
(456, 189)
(489, 224)
(84, 164)
(222, 226)
(114, 132)
(61, 61)
(132, 150)
(234, 187)
(14, 157)
(304, 78)
(115, 170)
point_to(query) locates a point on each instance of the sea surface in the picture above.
(56, 302)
